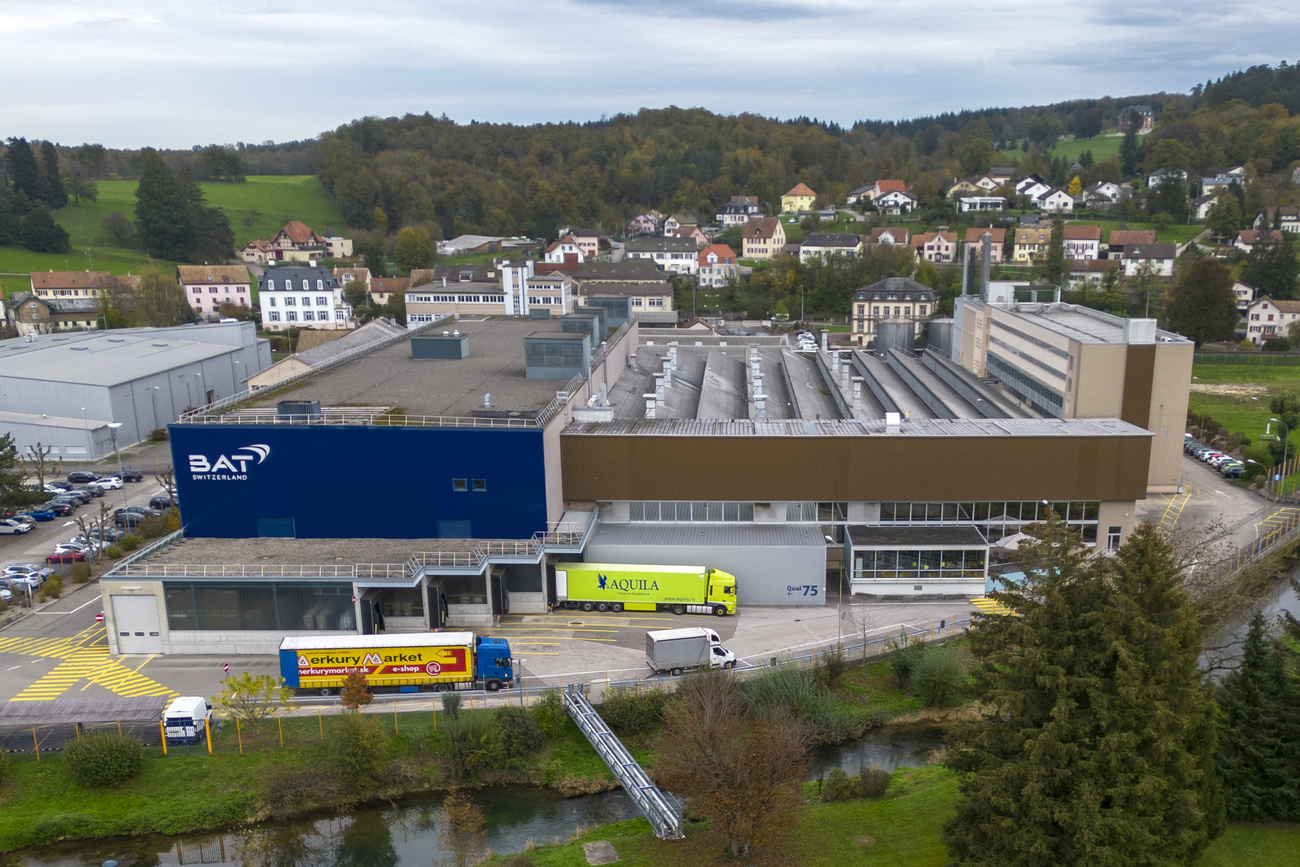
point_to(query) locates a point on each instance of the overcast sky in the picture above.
(129, 73)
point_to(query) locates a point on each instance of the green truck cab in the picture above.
(633, 587)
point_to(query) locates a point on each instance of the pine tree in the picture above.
(1097, 747)
(162, 215)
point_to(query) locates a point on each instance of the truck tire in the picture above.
(492, 685)
(720, 610)
(679, 609)
(616, 607)
(676, 672)
(587, 606)
(602, 606)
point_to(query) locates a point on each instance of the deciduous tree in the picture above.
(1201, 304)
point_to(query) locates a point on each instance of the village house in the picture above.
(762, 238)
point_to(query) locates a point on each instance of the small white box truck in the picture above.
(672, 651)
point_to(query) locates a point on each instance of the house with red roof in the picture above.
(717, 266)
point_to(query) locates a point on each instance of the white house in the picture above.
(1267, 318)
(303, 296)
(1056, 201)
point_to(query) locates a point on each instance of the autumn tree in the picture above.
(1201, 305)
(741, 771)
(1096, 744)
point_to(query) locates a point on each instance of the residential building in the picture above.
(938, 247)
(1122, 239)
(1055, 201)
(966, 204)
(738, 211)
(671, 254)
(1081, 241)
(717, 266)
(998, 240)
(1159, 258)
(302, 296)
(382, 289)
(67, 284)
(762, 238)
(1248, 238)
(207, 287)
(894, 202)
(1031, 242)
(894, 298)
(828, 245)
(893, 235)
(799, 198)
(1071, 362)
(1138, 118)
(1245, 294)
(1286, 219)
(1268, 318)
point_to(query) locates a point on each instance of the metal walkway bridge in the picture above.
(662, 809)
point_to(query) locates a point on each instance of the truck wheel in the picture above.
(677, 672)
(493, 685)
(679, 609)
(720, 610)
(616, 607)
(587, 606)
(601, 606)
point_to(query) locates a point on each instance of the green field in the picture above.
(275, 198)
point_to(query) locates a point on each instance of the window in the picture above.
(460, 485)
(480, 485)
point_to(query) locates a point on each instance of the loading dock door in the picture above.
(136, 620)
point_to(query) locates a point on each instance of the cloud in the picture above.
(175, 75)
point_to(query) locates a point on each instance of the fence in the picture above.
(301, 724)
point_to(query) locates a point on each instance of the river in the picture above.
(407, 835)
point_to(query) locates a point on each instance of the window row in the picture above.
(193, 605)
(673, 511)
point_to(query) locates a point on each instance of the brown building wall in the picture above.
(763, 469)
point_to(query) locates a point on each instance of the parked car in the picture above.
(132, 476)
(39, 514)
(14, 527)
(81, 477)
(61, 508)
(108, 483)
(67, 555)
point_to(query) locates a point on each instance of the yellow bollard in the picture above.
(163, 733)
(239, 735)
(36, 744)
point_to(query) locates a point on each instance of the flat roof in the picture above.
(437, 386)
(903, 536)
(933, 427)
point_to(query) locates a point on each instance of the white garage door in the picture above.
(136, 621)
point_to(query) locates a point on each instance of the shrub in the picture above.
(938, 677)
(130, 543)
(53, 587)
(550, 715)
(838, 787)
(357, 751)
(872, 782)
(81, 572)
(630, 714)
(451, 704)
(158, 435)
(472, 745)
(112, 552)
(518, 732)
(103, 760)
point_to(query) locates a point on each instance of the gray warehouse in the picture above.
(65, 390)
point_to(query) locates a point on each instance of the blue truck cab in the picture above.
(492, 662)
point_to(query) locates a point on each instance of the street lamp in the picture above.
(1281, 476)
(121, 473)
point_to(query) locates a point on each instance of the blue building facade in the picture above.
(355, 481)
